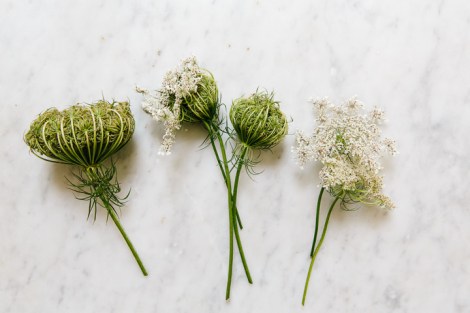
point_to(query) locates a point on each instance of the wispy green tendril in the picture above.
(96, 183)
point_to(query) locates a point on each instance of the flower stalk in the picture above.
(214, 131)
(116, 221)
(234, 206)
(313, 257)
(190, 94)
(87, 136)
(317, 216)
(349, 145)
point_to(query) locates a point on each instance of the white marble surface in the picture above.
(410, 57)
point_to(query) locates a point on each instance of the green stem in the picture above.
(230, 211)
(325, 227)
(115, 218)
(234, 201)
(212, 129)
(239, 220)
(316, 221)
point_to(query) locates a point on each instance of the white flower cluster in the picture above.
(165, 106)
(349, 145)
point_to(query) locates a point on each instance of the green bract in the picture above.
(258, 120)
(82, 134)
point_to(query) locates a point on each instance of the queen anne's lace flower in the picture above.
(165, 106)
(349, 145)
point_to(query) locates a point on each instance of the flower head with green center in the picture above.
(87, 135)
(258, 121)
(188, 93)
(349, 145)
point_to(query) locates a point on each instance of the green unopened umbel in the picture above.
(258, 121)
(83, 135)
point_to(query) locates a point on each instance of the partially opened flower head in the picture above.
(349, 144)
(82, 134)
(188, 93)
(202, 105)
(258, 120)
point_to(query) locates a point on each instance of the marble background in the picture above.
(409, 57)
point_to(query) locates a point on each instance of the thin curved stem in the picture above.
(234, 202)
(210, 129)
(325, 227)
(115, 219)
(239, 220)
(230, 211)
(316, 221)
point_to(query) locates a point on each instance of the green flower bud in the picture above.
(201, 105)
(258, 120)
(82, 134)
